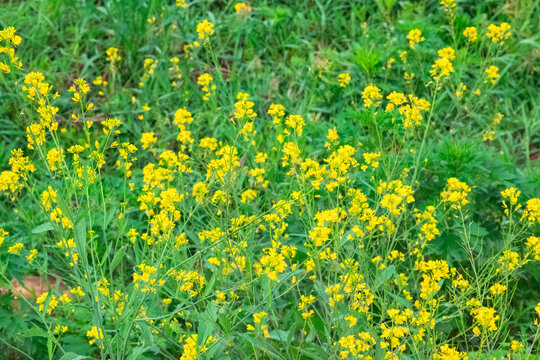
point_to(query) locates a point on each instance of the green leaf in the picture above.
(280, 335)
(314, 351)
(146, 334)
(139, 350)
(73, 356)
(401, 300)
(272, 354)
(207, 320)
(477, 230)
(209, 286)
(267, 291)
(119, 256)
(367, 60)
(3, 268)
(80, 239)
(384, 276)
(42, 228)
(35, 331)
(50, 347)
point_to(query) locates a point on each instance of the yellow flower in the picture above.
(319, 235)
(258, 317)
(371, 95)
(148, 138)
(492, 74)
(356, 345)
(149, 67)
(147, 280)
(108, 125)
(371, 159)
(277, 111)
(470, 33)
(433, 271)
(449, 5)
(449, 353)
(516, 345)
(190, 348)
(209, 143)
(205, 29)
(94, 334)
(497, 119)
(295, 122)
(60, 329)
(48, 197)
(403, 56)
(533, 243)
(332, 137)
(271, 264)
(415, 37)
(248, 195)
(244, 112)
(305, 302)
(486, 317)
(53, 303)
(456, 193)
(15, 249)
(112, 55)
(442, 68)
(41, 300)
(497, 289)
(498, 34)
(460, 90)
(180, 240)
(199, 191)
(488, 135)
(448, 53)
(64, 298)
(411, 108)
(395, 196)
(395, 99)
(9, 180)
(352, 320)
(242, 9)
(205, 80)
(103, 286)
(508, 261)
(79, 88)
(261, 157)
(3, 235)
(132, 235)
(512, 194)
(460, 282)
(37, 86)
(182, 116)
(35, 134)
(8, 34)
(54, 159)
(344, 79)
(32, 256)
(532, 212)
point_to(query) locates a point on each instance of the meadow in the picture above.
(301, 179)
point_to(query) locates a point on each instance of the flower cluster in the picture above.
(283, 213)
